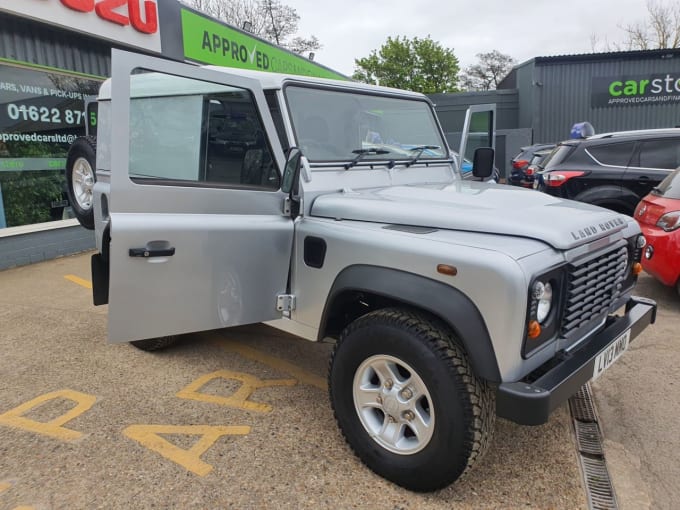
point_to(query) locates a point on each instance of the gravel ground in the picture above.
(132, 433)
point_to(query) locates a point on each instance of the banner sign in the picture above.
(210, 42)
(635, 90)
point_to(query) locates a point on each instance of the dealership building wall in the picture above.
(541, 99)
(35, 221)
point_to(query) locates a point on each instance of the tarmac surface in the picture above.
(638, 402)
(240, 418)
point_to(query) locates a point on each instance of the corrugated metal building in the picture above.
(557, 92)
(541, 99)
(26, 42)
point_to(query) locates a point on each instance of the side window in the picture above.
(613, 154)
(660, 153)
(192, 133)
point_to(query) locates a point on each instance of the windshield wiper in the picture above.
(364, 152)
(420, 149)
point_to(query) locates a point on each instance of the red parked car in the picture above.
(659, 217)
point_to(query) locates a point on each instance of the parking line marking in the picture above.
(147, 436)
(239, 399)
(54, 428)
(79, 281)
(284, 366)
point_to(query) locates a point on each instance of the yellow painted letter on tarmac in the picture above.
(4, 486)
(239, 399)
(148, 436)
(54, 428)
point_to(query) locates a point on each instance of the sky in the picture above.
(523, 29)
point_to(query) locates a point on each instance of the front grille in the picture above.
(592, 286)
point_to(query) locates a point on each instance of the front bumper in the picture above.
(664, 263)
(530, 403)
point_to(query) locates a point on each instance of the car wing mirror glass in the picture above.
(482, 162)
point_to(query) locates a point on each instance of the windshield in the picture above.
(333, 125)
(670, 186)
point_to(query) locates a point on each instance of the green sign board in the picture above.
(635, 90)
(211, 42)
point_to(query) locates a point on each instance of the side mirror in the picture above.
(291, 174)
(482, 162)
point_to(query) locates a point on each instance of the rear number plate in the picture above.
(613, 352)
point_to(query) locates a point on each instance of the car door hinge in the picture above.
(285, 303)
(286, 206)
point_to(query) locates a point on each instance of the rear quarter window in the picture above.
(660, 154)
(612, 154)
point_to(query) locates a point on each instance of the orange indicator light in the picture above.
(534, 330)
(637, 268)
(447, 270)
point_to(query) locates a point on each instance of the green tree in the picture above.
(421, 65)
(491, 68)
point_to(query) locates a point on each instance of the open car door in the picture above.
(478, 130)
(198, 236)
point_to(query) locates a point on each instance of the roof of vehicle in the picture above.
(538, 146)
(622, 135)
(149, 84)
(639, 133)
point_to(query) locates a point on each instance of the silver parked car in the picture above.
(345, 217)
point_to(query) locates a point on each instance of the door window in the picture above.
(613, 154)
(660, 153)
(192, 133)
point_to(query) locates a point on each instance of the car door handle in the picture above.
(643, 178)
(152, 252)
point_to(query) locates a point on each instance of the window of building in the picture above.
(41, 113)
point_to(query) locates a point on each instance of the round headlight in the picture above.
(543, 294)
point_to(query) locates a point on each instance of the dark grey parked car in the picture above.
(613, 170)
(520, 163)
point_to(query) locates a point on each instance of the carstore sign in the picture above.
(128, 22)
(211, 42)
(635, 90)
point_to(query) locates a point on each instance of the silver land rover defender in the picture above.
(336, 210)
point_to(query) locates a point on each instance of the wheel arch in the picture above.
(360, 289)
(610, 194)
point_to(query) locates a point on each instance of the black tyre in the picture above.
(81, 177)
(156, 344)
(407, 401)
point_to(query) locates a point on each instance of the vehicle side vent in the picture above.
(592, 287)
(315, 252)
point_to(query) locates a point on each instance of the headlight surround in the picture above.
(543, 295)
(543, 309)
